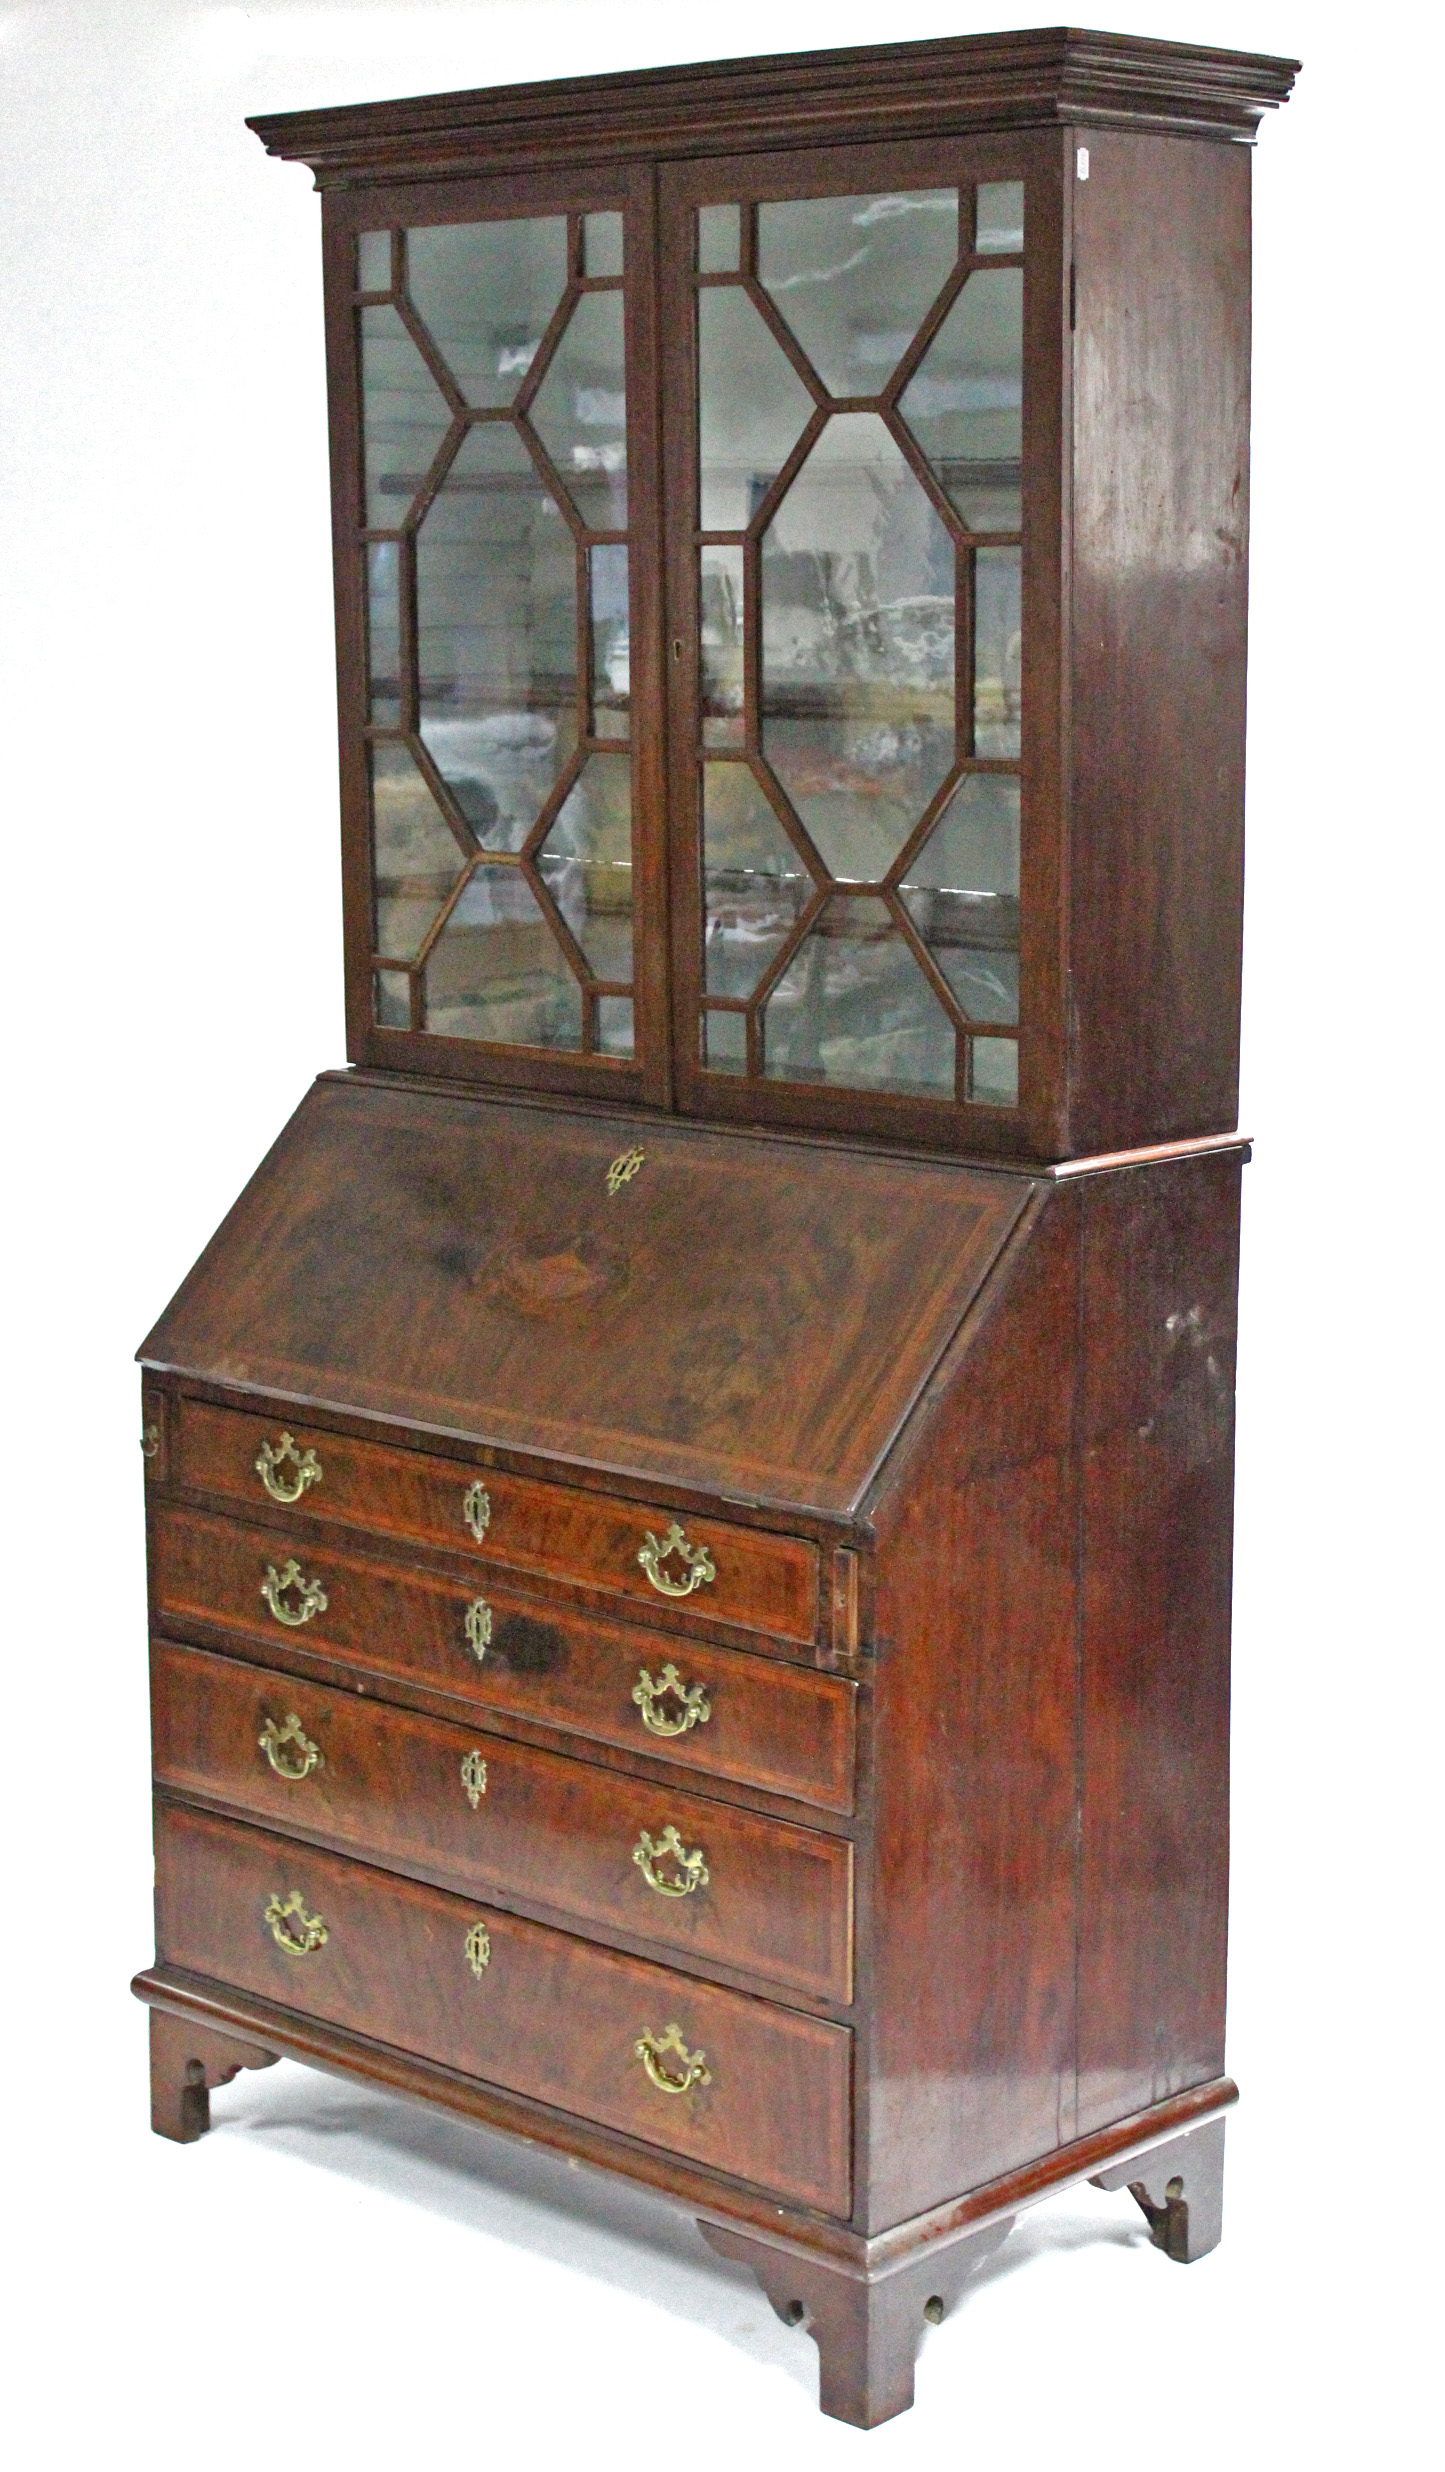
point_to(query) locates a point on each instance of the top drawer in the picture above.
(745, 1576)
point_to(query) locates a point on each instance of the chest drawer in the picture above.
(715, 1711)
(485, 1814)
(762, 1582)
(512, 2002)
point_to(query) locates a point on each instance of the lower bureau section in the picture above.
(748, 2088)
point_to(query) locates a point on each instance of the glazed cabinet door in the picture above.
(862, 366)
(495, 504)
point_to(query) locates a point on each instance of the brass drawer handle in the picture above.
(478, 1949)
(690, 1870)
(649, 2049)
(477, 1509)
(272, 1458)
(296, 1765)
(310, 1595)
(477, 1623)
(150, 1441)
(696, 1559)
(474, 1777)
(300, 1934)
(691, 1698)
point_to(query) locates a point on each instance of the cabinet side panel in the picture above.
(971, 2056)
(1160, 1255)
(1160, 540)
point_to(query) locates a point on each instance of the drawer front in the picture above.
(784, 1728)
(498, 1816)
(533, 2010)
(759, 1581)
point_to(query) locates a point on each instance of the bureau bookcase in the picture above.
(689, 1501)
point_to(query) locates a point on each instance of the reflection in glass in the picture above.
(854, 1008)
(858, 647)
(997, 651)
(602, 245)
(393, 1000)
(586, 864)
(485, 293)
(580, 412)
(961, 892)
(754, 883)
(373, 261)
(1000, 223)
(725, 1042)
(404, 417)
(752, 408)
(719, 239)
(415, 859)
(496, 970)
(497, 634)
(614, 1025)
(993, 1072)
(611, 640)
(855, 276)
(721, 629)
(964, 402)
(383, 633)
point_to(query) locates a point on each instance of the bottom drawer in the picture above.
(533, 2010)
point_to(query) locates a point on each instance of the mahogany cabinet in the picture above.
(690, 1499)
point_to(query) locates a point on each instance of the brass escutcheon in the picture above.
(624, 1167)
(293, 1766)
(474, 1777)
(649, 2049)
(272, 1458)
(309, 1932)
(696, 1559)
(477, 1623)
(478, 1949)
(690, 1696)
(690, 1870)
(310, 1595)
(477, 1509)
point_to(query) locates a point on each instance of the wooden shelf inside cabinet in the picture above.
(728, 1405)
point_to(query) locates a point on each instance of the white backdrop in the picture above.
(340, 2279)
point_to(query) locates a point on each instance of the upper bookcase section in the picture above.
(791, 527)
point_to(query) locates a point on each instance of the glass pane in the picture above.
(496, 970)
(484, 292)
(961, 892)
(586, 864)
(964, 402)
(754, 883)
(404, 417)
(614, 1025)
(393, 1000)
(858, 647)
(719, 239)
(602, 244)
(373, 261)
(725, 1042)
(854, 276)
(854, 1008)
(383, 633)
(611, 641)
(997, 651)
(1000, 216)
(752, 408)
(721, 622)
(497, 635)
(993, 1077)
(415, 857)
(580, 412)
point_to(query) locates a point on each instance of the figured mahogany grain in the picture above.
(549, 2015)
(552, 1832)
(780, 1726)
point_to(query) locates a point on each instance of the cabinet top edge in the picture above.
(1038, 77)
